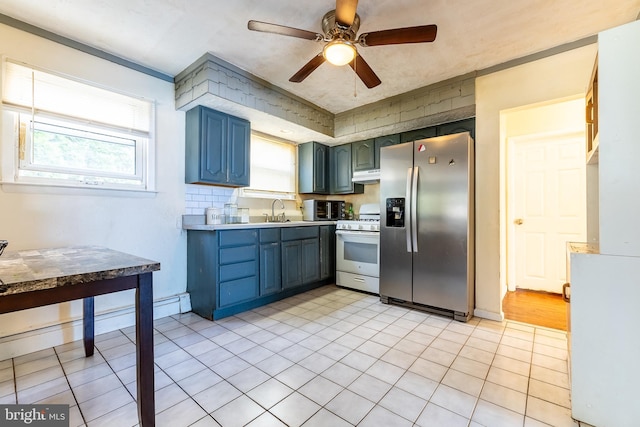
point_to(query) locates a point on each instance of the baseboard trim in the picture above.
(490, 315)
(55, 335)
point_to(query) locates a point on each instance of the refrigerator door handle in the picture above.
(408, 210)
(414, 209)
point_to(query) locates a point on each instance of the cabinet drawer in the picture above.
(269, 235)
(238, 237)
(236, 291)
(299, 233)
(236, 271)
(240, 254)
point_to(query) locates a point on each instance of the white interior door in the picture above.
(547, 198)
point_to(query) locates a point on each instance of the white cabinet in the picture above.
(605, 344)
(605, 286)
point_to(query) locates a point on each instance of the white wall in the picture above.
(556, 77)
(146, 226)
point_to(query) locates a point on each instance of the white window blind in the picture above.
(273, 166)
(40, 92)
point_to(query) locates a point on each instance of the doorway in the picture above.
(546, 203)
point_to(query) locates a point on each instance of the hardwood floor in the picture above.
(536, 307)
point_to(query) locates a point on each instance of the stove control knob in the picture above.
(361, 227)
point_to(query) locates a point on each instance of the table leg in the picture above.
(88, 326)
(144, 350)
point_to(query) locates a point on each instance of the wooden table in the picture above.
(35, 278)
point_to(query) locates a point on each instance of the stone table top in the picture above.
(38, 269)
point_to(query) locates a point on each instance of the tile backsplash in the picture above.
(200, 197)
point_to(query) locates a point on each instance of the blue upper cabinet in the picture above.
(217, 148)
(313, 168)
(415, 135)
(363, 155)
(467, 125)
(384, 141)
(342, 172)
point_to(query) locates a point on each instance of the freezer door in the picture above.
(396, 164)
(443, 263)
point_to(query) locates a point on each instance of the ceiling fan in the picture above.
(340, 27)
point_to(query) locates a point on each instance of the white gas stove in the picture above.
(368, 219)
(358, 250)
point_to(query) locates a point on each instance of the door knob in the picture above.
(518, 221)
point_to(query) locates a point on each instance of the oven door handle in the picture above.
(357, 233)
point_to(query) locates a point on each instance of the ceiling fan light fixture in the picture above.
(339, 52)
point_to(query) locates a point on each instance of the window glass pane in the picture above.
(61, 147)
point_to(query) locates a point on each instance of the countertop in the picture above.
(38, 269)
(197, 222)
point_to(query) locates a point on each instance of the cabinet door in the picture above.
(327, 252)
(320, 168)
(341, 172)
(238, 151)
(414, 135)
(310, 260)
(213, 147)
(270, 268)
(217, 148)
(291, 264)
(384, 141)
(363, 153)
(467, 125)
(313, 168)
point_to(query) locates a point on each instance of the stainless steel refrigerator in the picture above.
(427, 225)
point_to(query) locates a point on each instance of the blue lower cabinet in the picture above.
(291, 264)
(270, 268)
(300, 256)
(231, 271)
(310, 260)
(237, 291)
(327, 252)
(300, 262)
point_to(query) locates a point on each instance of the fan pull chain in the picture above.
(355, 79)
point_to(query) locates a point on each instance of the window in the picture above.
(273, 168)
(72, 133)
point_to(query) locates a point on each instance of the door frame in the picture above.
(510, 217)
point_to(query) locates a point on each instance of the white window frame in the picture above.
(17, 145)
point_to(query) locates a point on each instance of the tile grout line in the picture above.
(69, 384)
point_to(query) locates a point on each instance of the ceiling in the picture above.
(169, 35)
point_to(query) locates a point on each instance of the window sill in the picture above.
(33, 188)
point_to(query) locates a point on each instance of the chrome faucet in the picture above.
(273, 214)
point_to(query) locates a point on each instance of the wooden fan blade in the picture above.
(346, 12)
(420, 34)
(364, 71)
(307, 69)
(266, 27)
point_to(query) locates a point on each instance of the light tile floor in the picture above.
(328, 357)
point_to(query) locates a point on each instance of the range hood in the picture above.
(371, 176)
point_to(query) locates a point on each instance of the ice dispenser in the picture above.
(395, 212)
